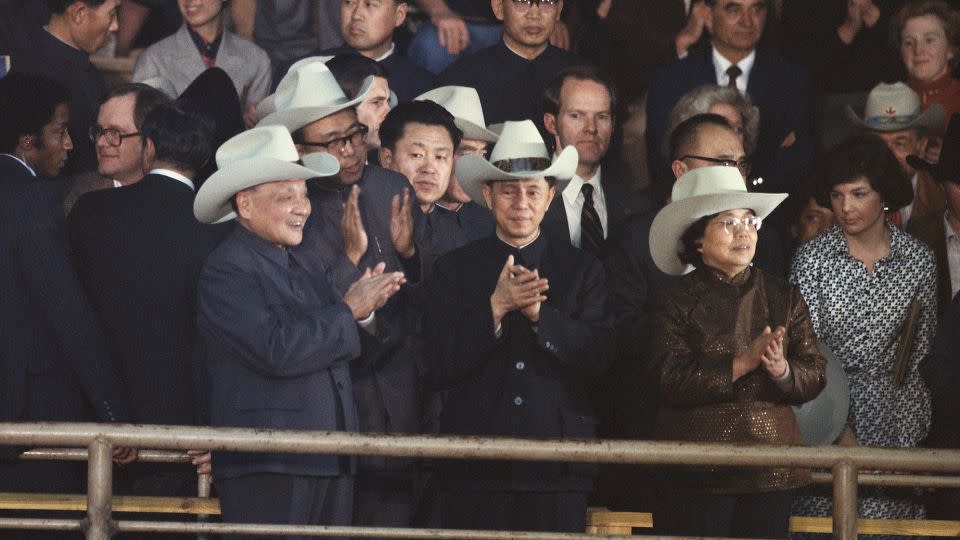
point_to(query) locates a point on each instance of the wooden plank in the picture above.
(928, 527)
(123, 503)
(603, 521)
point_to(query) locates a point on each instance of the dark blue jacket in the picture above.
(407, 79)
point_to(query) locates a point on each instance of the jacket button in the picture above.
(518, 401)
(520, 366)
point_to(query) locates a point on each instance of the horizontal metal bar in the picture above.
(895, 480)
(328, 530)
(428, 446)
(36, 524)
(80, 454)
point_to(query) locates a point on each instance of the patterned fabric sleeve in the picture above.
(806, 363)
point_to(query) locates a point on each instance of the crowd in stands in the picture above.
(634, 219)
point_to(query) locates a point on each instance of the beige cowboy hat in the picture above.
(701, 192)
(308, 94)
(520, 153)
(463, 103)
(823, 418)
(257, 156)
(894, 107)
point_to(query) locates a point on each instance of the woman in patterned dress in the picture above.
(859, 279)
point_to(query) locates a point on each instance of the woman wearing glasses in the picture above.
(734, 350)
(859, 279)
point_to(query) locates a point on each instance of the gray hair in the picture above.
(699, 100)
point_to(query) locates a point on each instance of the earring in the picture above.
(885, 207)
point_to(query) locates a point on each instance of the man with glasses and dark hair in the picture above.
(524, 59)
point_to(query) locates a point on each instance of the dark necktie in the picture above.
(591, 230)
(733, 72)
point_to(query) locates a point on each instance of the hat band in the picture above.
(520, 165)
(888, 120)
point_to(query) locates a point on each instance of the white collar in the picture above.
(576, 183)
(721, 64)
(174, 175)
(519, 247)
(948, 229)
(22, 162)
(386, 54)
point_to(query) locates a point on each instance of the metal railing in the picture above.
(100, 439)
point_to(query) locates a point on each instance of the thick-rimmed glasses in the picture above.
(524, 5)
(111, 135)
(733, 225)
(355, 138)
(742, 164)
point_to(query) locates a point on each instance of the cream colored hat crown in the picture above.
(463, 103)
(701, 192)
(257, 156)
(894, 107)
(518, 143)
(162, 84)
(308, 94)
(266, 105)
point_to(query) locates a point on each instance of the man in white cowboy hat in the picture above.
(361, 217)
(893, 112)
(464, 104)
(516, 325)
(278, 335)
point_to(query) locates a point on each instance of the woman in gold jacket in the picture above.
(733, 348)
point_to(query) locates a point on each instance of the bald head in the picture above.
(704, 140)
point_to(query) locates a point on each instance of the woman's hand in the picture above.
(752, 357)
(772, 358)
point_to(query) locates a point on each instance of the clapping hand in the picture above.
(372, 290)
(518, 289)
(401, 225)
(352, 233)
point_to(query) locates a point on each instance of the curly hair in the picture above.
(949, 18)
(699, 100)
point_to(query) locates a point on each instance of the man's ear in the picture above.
(679, 168)
(401, 14)
(77, 12)
(550, 123)
(487, 194)
(551, 193)
(149, 154)
(242, 200)
(386, 157)
(497, 6)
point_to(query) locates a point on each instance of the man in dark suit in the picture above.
(780, 90)
(139, 251)
(54, 361)
(279, 335)
(61, 51)
(511, 75)
(579, 107)
(514, 350)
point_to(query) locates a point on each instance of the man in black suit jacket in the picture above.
(139, 251)
(54, 361)
(780, 90)
(514, 350)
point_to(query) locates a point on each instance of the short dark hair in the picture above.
(180, 137)
(146, 98)
(686, 132)
(584, 72)
(351, 70)
(692, 240)
(60, 6)
(27, 103)
(416, 112)
(865, 155)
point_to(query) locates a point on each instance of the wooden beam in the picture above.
(122, 503)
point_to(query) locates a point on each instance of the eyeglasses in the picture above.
(355, 138)
(733, 225)
(742, 164)
(111, 135)
(524, 5)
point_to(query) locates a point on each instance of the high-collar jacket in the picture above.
(139, 251)
(406, 78)
(530, 382)
(931, 230)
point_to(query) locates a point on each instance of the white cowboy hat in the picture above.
(701, 192)
(257, 156)
(519, 151)
(266, 106)
(893, 107)
(823, 418)
(308, 94)
(463, 103)
(162, 84)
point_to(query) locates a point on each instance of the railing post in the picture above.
(99, 490)
(203, 490)
(845, 505)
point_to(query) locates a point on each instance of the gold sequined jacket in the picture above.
(698, 325)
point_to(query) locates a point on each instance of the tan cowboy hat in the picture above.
(266, 105)
(257, 156)
(463, 103)
(894, 107)
(823, 418)
(701, 192)
(308, 94)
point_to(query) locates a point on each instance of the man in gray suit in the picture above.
(279, 336)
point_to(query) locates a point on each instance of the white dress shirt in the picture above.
(953, 255)
(907, 210)
(721, 64)
(573, 204)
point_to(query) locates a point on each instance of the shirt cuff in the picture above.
(369, 323)
(498, 332)
(785, 382)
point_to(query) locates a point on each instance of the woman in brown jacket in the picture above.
(733, 349)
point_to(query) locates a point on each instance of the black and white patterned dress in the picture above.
(858, 314)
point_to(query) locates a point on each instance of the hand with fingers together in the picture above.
(372, 290)
(401, 225)
(351, 227)
(452, 31)
(753, 356)
(517, 289)
(772, 359)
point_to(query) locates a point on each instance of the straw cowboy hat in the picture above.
(308, 94)
(894, 107)
(464, 104)
(701, 192)
(948, 168)
(260, 155)
(823, 418)
(520, 153)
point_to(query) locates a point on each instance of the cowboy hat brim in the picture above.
(212, 204)
(474, 131)
(474, 171)
(674, 219)
(295, 118)
(931, 118)
(823, 418)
